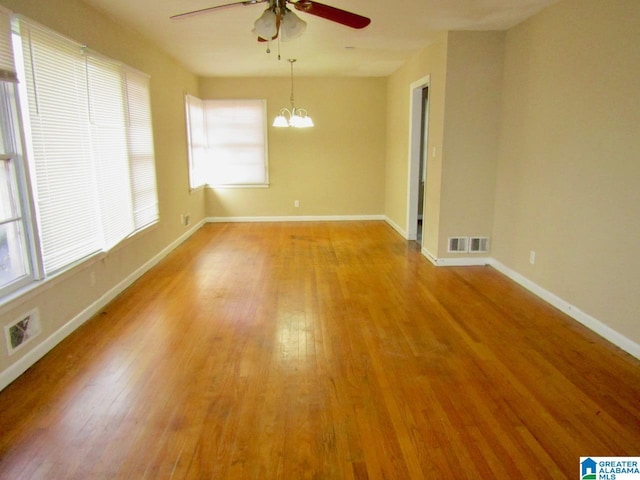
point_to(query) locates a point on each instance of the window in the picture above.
(91, 150)
(15, 265)
(227, 142)
(15, 262)
(89, 145)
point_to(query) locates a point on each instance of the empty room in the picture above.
(344, 240)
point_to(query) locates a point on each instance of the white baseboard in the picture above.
(40, 350)
(574, 312)
(587, 320)
(297, 218)
(397, 228)
(455, 262)
(431, 257)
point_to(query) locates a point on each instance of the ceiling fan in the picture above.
(277, 19)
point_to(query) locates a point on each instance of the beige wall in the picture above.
(431, 62)
(470, 147)
(63, 299)
(465, 77)
(333, 169)
(568, 172)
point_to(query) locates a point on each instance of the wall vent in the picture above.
(22, 331)
(479, 244)
(458, 245)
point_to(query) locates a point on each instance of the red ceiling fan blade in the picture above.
(209, 9)
(337, 15)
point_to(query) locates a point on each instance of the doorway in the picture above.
(419, 141)
(424, 134)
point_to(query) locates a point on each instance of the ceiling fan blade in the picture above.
(209, 9)
(334, 14)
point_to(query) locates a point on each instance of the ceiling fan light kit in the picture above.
(267, 25)
(277, 18)
(291, 26)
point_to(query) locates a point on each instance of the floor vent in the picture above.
(22, 331)
(458, 245)
(479, 244)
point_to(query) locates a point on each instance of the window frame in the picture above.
(13, 145)
(196, 140)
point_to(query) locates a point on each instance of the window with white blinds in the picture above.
(228, 142)
(91, 146)
(142, 163)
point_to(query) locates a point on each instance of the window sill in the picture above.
(222, 187)
(38, 286)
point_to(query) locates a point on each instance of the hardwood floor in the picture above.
(321, 351)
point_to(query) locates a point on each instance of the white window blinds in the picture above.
(7, 69)
(61, 147)
(227, 142)
(141, 155)
(93, 163)
(109, 149)
(237, 135)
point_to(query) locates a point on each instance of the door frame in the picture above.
(415, 134)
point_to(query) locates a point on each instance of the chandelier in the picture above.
(294, 117)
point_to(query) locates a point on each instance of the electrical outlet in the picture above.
(532, 257)
(296, 203)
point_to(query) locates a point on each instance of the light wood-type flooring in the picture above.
(320, 351)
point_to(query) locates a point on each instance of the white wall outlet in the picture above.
(296, 203)
(532, 257)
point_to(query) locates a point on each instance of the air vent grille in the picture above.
(22, 331)
(458, 245)
(479, 244)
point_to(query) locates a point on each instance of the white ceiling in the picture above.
(220, 43)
